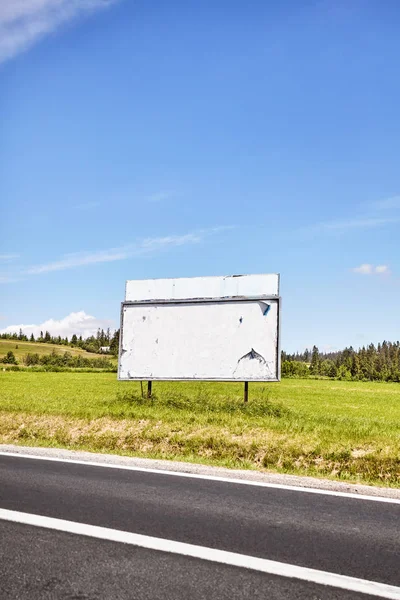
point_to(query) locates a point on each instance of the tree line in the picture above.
(59, 362)
(369, 363)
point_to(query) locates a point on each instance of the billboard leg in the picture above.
(246, 391)
(149, 385)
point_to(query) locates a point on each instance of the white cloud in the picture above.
(76, 322)
(143, 247)
(381, 269)
(25, 22)
(367, 269)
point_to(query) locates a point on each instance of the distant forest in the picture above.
(369, 363)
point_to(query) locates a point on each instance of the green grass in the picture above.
(342, 430)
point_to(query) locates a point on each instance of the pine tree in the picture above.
(114, 344)
(355, 366)
(315, 361)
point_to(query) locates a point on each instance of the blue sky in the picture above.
(183, 138)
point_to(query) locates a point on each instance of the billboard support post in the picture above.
(149, 389)
(246, 391)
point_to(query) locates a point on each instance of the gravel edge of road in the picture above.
(205, 470)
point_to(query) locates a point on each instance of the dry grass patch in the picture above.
(254, 448)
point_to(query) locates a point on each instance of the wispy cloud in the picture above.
(5, 258)
(79, 259)
(160, 196)
(79, 323)
(25, 22)
(7, 274)
(87, 205)
(368, 269)
(7, 279)
(377, 214)
(391, 203)
(354, 223)
(142, 247)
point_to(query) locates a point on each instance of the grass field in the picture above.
(335, 429)
(22, 348)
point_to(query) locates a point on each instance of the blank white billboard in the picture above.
(211, 328)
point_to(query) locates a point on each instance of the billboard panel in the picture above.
(178, 329)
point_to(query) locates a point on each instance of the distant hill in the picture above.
(22, 348)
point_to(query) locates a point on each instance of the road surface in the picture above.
(333, 534)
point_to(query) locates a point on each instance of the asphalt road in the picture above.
(347, 536)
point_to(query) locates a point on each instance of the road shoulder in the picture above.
(202, 470)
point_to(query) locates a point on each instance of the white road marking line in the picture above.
(262, 565)
(278, 486)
